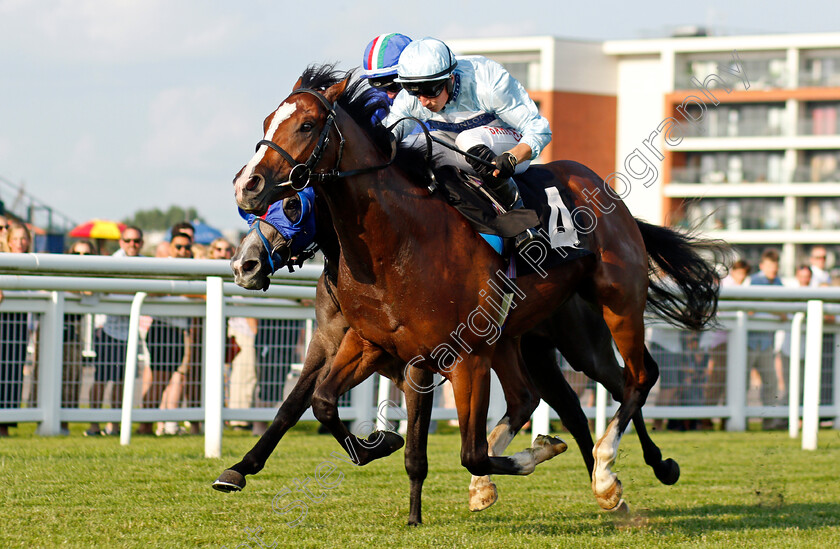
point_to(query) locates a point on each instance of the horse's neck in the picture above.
(326, 236)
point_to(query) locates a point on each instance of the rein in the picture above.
(302, 174)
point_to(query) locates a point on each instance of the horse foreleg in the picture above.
(419, 411)
(471, 385)
(314, 369)
(520, 395)
(355, 361)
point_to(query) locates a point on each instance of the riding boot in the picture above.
(503, 190)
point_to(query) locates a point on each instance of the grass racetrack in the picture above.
(750, 489)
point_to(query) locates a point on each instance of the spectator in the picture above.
(199, 251)
(170, 345)
(111, 345)
(666, 348)
(804, 275)
(4, 224)
(74, 337)
(14, 334)
(221, 249)
(820, 276)
(279, 343)
(714, 344)
(162, 249)
(184, 227)
(760, 345)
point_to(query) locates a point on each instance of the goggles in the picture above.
(386, 83)
(429, 89)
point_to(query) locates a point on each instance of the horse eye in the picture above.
(306, 127)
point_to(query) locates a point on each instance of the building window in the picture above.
(734, 120)
(818, 167)
(820, 68)
(739, 214)
(730, 167)
(522, 65)
(818, 214)
(820, 119)
(763, 70)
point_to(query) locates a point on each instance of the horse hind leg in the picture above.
(668, 470)
(628, 333)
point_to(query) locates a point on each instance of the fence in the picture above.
(59, 298)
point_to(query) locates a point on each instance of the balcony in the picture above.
(763, 72)
(820, 70)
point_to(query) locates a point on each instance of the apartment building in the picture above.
(736, 135)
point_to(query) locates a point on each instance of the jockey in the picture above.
(476, 104)
(379, 65)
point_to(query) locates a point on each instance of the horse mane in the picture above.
(363, 103)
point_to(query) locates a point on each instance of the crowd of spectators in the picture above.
(95, 347)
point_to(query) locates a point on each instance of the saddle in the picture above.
(548, 204)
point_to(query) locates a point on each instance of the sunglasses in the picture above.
(386, 84)
(218, 249)
(80, 253)
(429, 90)
(182, 246)
(133, 240)
(3, 227)
(818, 257)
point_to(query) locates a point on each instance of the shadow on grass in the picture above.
(678, 520)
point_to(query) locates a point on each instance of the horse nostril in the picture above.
(250, 265)
(253, 182)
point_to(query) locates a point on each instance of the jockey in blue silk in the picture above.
(379, 66)
(474, 103)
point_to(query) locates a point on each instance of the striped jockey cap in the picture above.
(382, 55)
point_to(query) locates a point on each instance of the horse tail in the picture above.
(684, 281)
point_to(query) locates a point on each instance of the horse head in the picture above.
(274, 240)
(295, 144)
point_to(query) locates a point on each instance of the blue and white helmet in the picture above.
(382, 55)
(425, 60)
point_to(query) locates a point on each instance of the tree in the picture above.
(157, 220)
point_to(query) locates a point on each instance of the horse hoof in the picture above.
(621, 509)
(668, 472)
(552, 446)
(483, 495)
(611, 497)
(382, 443)
(229, 481)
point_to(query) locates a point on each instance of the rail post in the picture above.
(50, 352)
(132, 346)
(736, 374)
(214, 359)
(813, 366)
(794, 383)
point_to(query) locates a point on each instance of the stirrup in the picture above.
(524, 238)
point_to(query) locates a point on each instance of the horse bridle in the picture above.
(302, 173)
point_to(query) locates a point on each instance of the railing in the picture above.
(51, 289)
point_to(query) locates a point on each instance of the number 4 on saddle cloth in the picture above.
(564, 237)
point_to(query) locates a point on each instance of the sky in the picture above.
(112, 106)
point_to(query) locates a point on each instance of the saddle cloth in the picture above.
(548, 204)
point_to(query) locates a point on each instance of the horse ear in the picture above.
(298, 84)
(335, 91)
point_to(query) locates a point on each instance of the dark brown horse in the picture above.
(587, 347)
(412, 272)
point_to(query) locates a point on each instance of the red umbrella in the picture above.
(98, 228)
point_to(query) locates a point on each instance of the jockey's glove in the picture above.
(506, 164)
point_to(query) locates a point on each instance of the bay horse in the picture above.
(403, 297)
(587, 348)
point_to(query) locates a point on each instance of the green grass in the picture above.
(737, 490)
